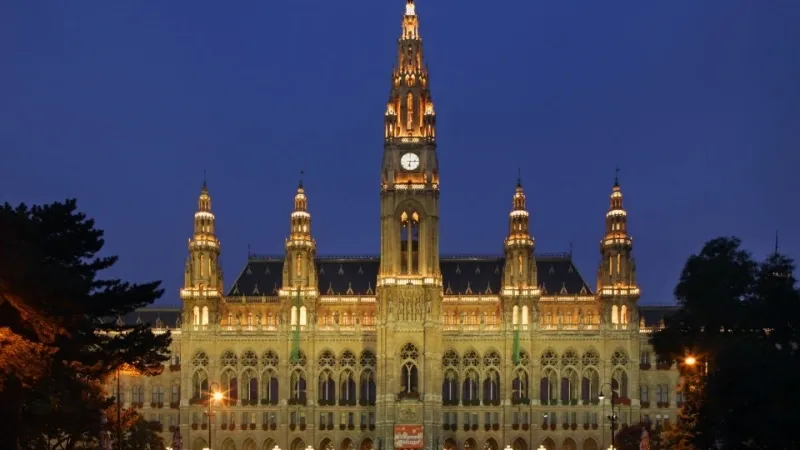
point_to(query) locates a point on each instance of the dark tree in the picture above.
(56, 314)
(738, 318)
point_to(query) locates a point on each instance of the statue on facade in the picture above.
(580, 316)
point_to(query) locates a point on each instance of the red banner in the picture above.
(408, 436)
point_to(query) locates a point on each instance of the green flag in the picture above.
(296, 332)
(515, 349)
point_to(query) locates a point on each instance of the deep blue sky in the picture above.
(124, 104)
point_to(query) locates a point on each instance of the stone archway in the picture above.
(450, 444)
(519, 444)
(470, 444)
(347, 444)
(549, 444)
(199, 444)
(589, 444)
(569, 444)
(249, 444)
(367, 444)
(326, 444)
(269, 444)
(298, 444)
(490, 444)
(228, 444)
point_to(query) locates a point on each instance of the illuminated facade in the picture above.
(364, 353)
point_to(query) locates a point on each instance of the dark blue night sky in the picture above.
(125, 104)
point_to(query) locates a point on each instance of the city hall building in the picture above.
(409, 348)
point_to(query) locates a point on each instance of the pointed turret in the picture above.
(203, 283)
(520, 266)
(616, 277)
(299, 270)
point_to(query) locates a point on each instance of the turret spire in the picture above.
(203, 276)
(520, 268)
(616, 277)
(410, 112)
(299, 269)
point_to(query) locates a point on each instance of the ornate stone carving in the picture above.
(407, 415)
(409, 302)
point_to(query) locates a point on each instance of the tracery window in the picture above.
(297, 380)
(347, 383)
(409, 376)
(620, 358)
(367, 362)
(327, 386)
(269, 378)
(450, 387)
(491, 384)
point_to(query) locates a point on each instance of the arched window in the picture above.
(303, 316)
(347, 388)
(491, 384)
(196, 315)
(368, 363)
(519, 386)
(409, 242)
(409, 375)
(614, 314)
(450, 383)
(229, 381)
(205, 315)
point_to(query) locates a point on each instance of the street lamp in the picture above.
(278, 448)
(216, 396)
(690, 361)
(612, 417)
(507, 447)
(309, 448)
(541, 447)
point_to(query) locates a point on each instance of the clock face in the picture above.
(409, 161)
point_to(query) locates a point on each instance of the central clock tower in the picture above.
(409, 292)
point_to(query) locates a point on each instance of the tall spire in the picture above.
(409, 112)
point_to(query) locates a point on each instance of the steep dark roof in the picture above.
(652, 315)
(155, 316)
(358, 275)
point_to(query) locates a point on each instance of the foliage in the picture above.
(137, 433)
(629, 437)
(739, 317)
(58, 340)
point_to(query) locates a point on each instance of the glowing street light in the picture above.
(690, 361)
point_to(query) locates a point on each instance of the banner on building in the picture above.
(408, 436)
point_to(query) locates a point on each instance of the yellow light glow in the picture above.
(217, 396)
(690, 361)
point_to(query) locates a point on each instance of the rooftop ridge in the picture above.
(255, 257)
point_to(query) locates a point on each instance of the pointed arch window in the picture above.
(409, 374)
(409, 242)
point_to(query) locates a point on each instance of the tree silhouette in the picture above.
(59, 341)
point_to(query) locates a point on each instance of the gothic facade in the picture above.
(407, 349)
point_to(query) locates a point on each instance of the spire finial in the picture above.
(410, 8)
(205, 182)
(519, 177)
(616, 176)
(776, 242)
(302, 173)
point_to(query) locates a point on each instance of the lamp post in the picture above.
(216, 396)
(612, 417)
(541, 447)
